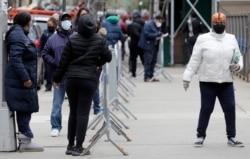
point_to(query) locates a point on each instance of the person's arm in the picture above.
(47, 52)
(63, 63)
(134, 30)
(16, 52)
(42, 43)
(106, 55)
(194, 62)
(150, 33)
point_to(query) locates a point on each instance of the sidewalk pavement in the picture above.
(165, 129)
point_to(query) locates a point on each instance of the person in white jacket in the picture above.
(216, 56)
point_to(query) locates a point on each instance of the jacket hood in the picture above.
(113, 19)
(86, 25)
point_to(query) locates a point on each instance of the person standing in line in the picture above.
(51, 54)
(51, 29)
(192, 29)
(21, 79)
(114, 31)
(134, 32)
(84, 54)
(96, 98)
(217, 56)
(124, 28)
(149, 42)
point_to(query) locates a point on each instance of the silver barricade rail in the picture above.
(238, 24)
(160, 63)
(121, 84)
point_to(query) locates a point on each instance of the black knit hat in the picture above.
(86, 25)
(22, 18)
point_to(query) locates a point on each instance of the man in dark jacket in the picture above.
(149, 42)
(51, 28)
(134, 32)
(83, 56)
(192, 29)
(51, 54)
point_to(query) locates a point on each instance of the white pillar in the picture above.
(7, 126)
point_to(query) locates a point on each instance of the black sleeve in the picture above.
(63, 63)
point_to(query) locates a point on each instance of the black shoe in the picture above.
(78, 151)
(154, 80)
(96, 112)
(234, 143)
(147, 80)
(70, 150)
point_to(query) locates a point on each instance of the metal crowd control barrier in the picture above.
(110, 84)
(121, 84)
(160, 63)
(238, 25)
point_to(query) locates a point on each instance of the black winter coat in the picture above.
(134, 30)
(21, 67)
(82, 57)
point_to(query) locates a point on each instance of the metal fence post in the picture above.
(7, 126)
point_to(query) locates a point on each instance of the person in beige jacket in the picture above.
(216, 56)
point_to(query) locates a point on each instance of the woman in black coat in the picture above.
(83, 56)
(21, 78)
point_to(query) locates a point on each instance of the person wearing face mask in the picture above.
(149, 42)
(192, 29)
(51, 29)
(216, 56)
(20, 79)
(51, 54)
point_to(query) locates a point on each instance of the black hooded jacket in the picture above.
(84, 53)
(135, 29)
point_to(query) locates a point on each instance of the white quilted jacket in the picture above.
(211, 57)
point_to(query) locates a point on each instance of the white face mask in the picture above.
(158, 24)
(66, 24)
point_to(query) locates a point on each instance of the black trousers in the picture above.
(80, 94)
(23, 123)
(135, 51)
(225, 93)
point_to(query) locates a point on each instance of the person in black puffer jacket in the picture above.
(134, 32)
(83, 55)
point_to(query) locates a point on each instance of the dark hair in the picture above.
(22, 18)
(53, 20)
(193, 14)
(159, 17)
(79, 13)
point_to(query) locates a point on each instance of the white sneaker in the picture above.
(55, 132)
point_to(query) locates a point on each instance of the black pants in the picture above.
(135, 51)
(80, 94)
(23, 123)
(225, 94)
(150, 59)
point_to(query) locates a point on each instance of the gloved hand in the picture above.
(234, 67)
(186, 85)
